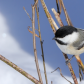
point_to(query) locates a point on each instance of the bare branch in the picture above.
(65, 56)
(58, 10)
(35, 4)
(57, 16)
(34, 41)
(66, 14)
(19, 70)
(27, 13)
(71, 69)
(54, 23)
(41, 45)
(61, 75)
(32, 32)
(48, 15)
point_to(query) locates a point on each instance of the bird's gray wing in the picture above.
(80, 42)
(80, 46)
(81, 29)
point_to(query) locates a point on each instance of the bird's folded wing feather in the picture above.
(80, 43)
(80, 47)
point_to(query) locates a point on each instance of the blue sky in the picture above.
(18, 21)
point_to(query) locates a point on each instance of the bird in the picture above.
(70, 40)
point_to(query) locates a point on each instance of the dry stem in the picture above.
(48, 15)
(34, 41)
(41, 45)
(61, 24)
(19, 70)
(61, 74)
(57, 16)
(27, 13)
(66, 14)
(32, 32)
(55, 25)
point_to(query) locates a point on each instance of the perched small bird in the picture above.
(70, 40)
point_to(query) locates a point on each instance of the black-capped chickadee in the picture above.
(70, 40)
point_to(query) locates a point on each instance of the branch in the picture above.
(55, 25)
(19, 70)
(32, 32)
(62, 75)
(41, 45)
(61, 24)
(27, 13)
(34, 41)
(48, 15)
(57, 16)
(66, 14)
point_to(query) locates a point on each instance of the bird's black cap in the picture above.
(65, 30)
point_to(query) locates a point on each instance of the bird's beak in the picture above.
(54, 38)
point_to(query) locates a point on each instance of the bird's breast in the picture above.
(68, 49)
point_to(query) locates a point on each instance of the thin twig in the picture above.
(71, 69)
(77, 57)
(61, 24)
(57, 16)
(54, 23)
(66, 14)
(34, 41)
(65, 56)
(34, 80)
(41, 45)
(32, 31)
(80, 74)
(48, 15)
(58, 10)
(62, 75)
(27, 13)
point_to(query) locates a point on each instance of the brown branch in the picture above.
(55, 25)
(57, 16)
(35, 4)
(32, 32)
(62, 75)
(34, 41)
(61, 24)
(66, 14)
(65, 56)
(71, 69)
(41, 45)
(27, 13)
(81, 66)
(34, 80)
(48, 15)
(58, 10)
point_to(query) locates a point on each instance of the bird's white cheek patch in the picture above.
(74, 37)
(69, 38)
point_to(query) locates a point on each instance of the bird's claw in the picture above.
(68, 61)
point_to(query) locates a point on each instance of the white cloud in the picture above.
(11, 49)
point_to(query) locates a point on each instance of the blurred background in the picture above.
(16, 34)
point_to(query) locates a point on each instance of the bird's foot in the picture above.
(69, 60)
